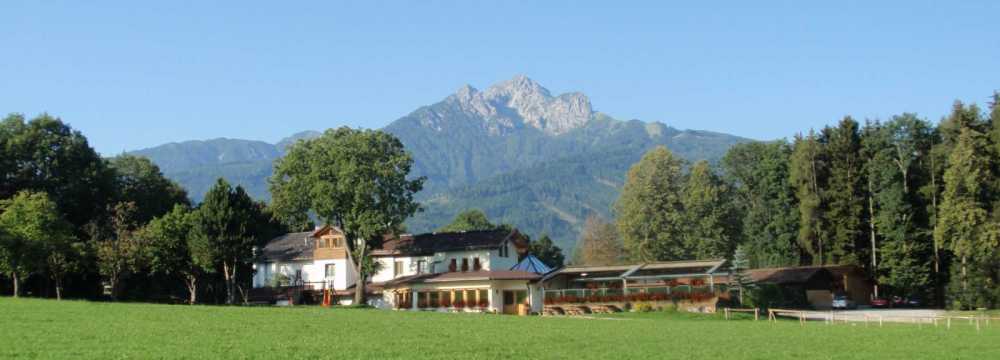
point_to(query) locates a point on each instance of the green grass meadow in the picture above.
(31, 328)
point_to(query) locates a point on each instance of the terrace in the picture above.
(691, 282)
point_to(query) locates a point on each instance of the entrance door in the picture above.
(511, 298)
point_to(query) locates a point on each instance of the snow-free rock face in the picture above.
(523, 102)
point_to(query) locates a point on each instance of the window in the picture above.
(421, 266)
(338, 242)
(465, 265)
(397, 268)
(298, 276)
(476, 266)
(453, 266)
(331, 271)
(503, 250)
(434, 299)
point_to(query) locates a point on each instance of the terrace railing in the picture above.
(614, 294)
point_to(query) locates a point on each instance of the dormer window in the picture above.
(476, 266)
(453, 267)
(465, 264)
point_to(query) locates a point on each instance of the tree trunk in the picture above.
(17, 284)
(191, 282)
(359, 288)
(228, 275)
(59, 288)
(115, 291)
(871, 226)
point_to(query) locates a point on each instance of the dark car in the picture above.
(880, 303)
(898, 301)
(914, 302)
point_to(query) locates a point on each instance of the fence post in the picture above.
(726, 311)
(948, 318)
(756, 314)
(880, 321)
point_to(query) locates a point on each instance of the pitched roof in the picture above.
(531, 263)
(786, 275)
(430, 243)
(299, 246)
(290, 247)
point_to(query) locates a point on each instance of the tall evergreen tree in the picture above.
(739, 279)
(763, 196)
(650, 210)
(546, 251)
(963, 223)
(711, 230)
(844, 193)
(807, 171)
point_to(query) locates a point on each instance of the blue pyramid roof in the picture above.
(531, 264)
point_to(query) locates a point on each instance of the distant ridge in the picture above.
(524, 156)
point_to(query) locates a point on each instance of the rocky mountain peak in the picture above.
(521, 101)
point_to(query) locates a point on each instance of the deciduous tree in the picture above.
(650, 208)
(173, 249)
(711, 229)
(119, 251)
(31, 228)
(226, 227)
(469, 220)
(599, 244)
(356, 180)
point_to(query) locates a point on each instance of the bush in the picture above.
(642, 307)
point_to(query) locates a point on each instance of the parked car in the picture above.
(880, 303)
(843, 302)
(914, 302)
(898, 301)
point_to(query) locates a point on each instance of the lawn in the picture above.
(77, 329)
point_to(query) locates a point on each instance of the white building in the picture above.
(459, 271)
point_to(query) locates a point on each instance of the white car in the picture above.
(842, 302)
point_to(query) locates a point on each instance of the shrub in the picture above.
(484, 303)
(642, 307)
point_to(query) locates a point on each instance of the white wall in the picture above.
(439, 262)
(504, 263)
(313, 272)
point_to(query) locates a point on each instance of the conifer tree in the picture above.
(807, 170)
(963, 223)
(844, 195)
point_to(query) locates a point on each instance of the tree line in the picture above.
(916, 204)
(74, 223)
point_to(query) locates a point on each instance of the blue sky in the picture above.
(136, 74)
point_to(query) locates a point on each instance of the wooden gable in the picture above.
(330, 243)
